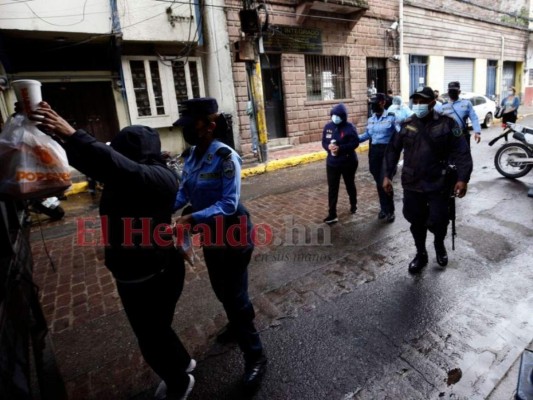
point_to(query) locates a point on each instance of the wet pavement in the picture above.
(340, 316)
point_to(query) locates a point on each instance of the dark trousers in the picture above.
(228, 272)
(375, 162)
(426, 211)
(334, 179)
(150, 306)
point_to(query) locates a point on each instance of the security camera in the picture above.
(394, 25)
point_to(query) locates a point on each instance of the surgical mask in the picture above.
(510, 93)
(189, 134)
(421, 110)
(336, 119)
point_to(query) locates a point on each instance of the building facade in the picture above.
(317, 54)
(482, 45)
(106, 64)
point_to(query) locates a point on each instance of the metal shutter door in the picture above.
(459, 69)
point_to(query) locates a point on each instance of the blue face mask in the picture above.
(336, 119)
(421, 110)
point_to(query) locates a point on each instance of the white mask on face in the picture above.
(421, 110)
(336, 119)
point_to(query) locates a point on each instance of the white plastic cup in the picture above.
(28, 94)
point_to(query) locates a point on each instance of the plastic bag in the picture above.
(32, 163)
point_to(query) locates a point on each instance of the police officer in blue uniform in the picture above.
(339, 139)
(211, 184)
(460, 110)
(429, 141)
(380, 128)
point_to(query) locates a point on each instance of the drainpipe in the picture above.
(400, 50)
(500, 68)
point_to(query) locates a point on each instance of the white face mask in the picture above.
(336, 119)
(421, 110)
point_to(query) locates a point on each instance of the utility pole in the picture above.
(248, 51)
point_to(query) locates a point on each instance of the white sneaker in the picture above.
(189, 388)
(161, 391)
(192, 366)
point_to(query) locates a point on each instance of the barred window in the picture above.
(154, 88)
(327, 77)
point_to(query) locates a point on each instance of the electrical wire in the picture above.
(51, 23)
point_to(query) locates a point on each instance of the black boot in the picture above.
(442, 255)
(419, 262)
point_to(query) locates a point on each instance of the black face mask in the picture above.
(377, 108)
(454, 94)
(189, 134)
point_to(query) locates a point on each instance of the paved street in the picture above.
(340, 316)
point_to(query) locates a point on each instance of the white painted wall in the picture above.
(84, 16)
(480, 76)
(435, 73)
(147, 20)
(219, 75)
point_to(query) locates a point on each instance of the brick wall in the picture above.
(305, 119)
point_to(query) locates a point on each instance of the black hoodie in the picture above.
(137, 187)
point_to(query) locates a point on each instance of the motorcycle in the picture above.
(49, 206)
(515, 159)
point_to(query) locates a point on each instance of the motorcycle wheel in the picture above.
(515, 169)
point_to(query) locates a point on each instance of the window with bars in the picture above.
(155, 88)
(327, 77)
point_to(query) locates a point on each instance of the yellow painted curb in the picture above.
(290, 162)
(77, 188)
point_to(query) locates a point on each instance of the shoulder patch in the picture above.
(228, 168)
(457, 131)
(391, 114)
(224, 153)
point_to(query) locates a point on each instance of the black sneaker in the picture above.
(390, 218)
(419, 262)
(254, 371)
(382, 215)
(353, 209)
(331, 219)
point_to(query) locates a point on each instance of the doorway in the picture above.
(273, 96)
(85, 105)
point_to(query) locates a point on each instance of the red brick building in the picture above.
(318, 54)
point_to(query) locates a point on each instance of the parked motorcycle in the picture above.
(514, 159)
(49, 207)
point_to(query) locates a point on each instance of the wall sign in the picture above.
(293, 39)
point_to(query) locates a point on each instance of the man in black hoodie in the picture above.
(136, 208)
(340, 139)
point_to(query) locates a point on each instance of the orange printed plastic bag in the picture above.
(32, 164)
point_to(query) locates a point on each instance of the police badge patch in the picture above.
(228, 168)
(457, 131)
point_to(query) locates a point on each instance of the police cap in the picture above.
(378, 97)
(423, 91)
(200, 107)
(454, 85)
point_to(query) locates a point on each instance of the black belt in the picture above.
(380, 145)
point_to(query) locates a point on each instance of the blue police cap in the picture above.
(378, 97)
(200, 107)
(455, 85)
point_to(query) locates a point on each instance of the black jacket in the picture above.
(346, 136)
(429, 145)
(137, 190)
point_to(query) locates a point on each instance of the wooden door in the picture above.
(85, 105)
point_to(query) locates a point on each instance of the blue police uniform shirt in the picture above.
(211, 184)
(460, 110)
(379, 128)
